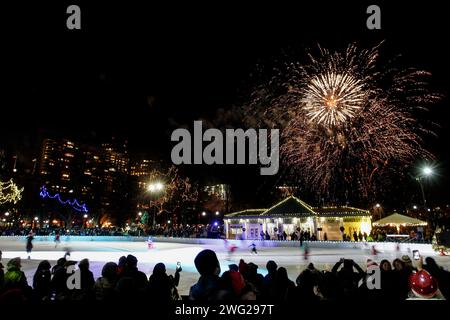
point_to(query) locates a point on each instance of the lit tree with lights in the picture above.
(10, 192)
(170, 191)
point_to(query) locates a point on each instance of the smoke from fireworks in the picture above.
(345, 125)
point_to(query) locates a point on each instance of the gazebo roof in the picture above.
(291, 206)
(399, 219)
(246, 213)
(294, 207)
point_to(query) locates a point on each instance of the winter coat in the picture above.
(162, 287)
(208, 288)
(42, 284)
(104, 289)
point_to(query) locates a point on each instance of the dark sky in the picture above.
(133, 69)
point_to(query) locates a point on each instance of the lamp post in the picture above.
(424, 173)
(378, 210)
(154, 188)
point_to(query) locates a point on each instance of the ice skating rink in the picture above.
(99, 252)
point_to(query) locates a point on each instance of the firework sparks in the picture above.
(332, 98)
(345, 125)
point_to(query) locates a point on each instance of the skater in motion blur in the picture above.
(150, 243)
(374, 251)
(29, 246)
(253, 245)
(231, 248)
(57, 239)
(306, 254)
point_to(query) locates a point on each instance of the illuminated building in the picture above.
(221, 191)
(57, 164)
(293, 214)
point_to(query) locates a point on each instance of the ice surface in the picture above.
(98, 253)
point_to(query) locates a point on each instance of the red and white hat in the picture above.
(423, 284)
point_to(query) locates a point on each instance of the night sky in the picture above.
(139, 72)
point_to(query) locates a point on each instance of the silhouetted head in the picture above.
(61, 262)
(131, 261)
(44, 265)
(122, 261)
(84, 264)
(109, 270)
(431, 263)
(271, 266)
(207, 263)
(282, 275)
(159, 269)
(348, 264)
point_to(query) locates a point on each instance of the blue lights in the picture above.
(74, 204)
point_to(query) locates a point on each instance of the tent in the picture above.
(398, 220)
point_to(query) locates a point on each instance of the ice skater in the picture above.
(57, 239)
(231, 248)
(374, 251)
(29, 246)
(253, 245)
(306, 253)
(150, 243)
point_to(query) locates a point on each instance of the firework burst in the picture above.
(345, 125)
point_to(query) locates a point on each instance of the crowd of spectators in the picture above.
(400, 280)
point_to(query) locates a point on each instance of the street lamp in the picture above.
(6, 213)
(154, 187)
(425, 172)
(203, 213)
(217, 213)
(415, 207)
(378, 210)
(139, 213)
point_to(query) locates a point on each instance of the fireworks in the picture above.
(345, 125)
(333, 98)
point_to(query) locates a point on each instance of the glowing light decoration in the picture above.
(72, 203)
(10, 192)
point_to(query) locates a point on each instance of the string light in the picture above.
(74, 204)
(10, 192)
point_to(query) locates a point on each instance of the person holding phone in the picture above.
(163, 287)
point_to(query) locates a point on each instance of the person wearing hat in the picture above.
(15, 279)
(209, 286)
(423, 285)
(408, 263)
